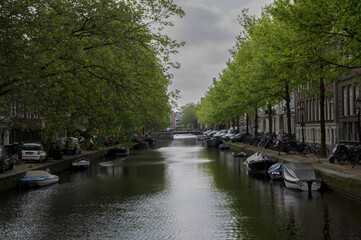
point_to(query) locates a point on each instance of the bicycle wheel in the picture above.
(342, 158)
(306, 151)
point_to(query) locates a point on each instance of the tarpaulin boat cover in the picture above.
(38, 173)
(257, 157)
(277, 167)
(301, 171)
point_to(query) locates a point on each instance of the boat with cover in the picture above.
(258, 163)
(81, 163)
(301, 176)
(38, 178)
(213, 142)
(275, 172)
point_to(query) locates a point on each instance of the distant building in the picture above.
(176, 120)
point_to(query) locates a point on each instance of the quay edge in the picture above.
(346, 183)
(10, 179)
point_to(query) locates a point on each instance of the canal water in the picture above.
(180, 190)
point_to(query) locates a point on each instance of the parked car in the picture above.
(231, 132)
(33, 152)
(220, 133)
(6, 161)
(70, 145)
(212, 133)
(55, 151)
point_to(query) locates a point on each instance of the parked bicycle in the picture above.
(287, 146)
(313, 149)
(345, 153)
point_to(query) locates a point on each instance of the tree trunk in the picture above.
(256, 122)
(288, 109)
(270, 122)
(247, 124)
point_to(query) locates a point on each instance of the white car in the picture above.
(33, 152)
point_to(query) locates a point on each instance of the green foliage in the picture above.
(99, 64)
(293, 44)
(189, 117)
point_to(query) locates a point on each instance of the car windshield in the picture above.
(232, 131)
(31, 147)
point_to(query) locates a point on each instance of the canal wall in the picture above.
(345, 183)
(10, 179)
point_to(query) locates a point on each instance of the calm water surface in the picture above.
(178, 191)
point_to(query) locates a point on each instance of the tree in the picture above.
(101, 64)
(324, 43)
(189, 117)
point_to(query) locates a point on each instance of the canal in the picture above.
(180, 190)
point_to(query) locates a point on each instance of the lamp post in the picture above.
(358, 107)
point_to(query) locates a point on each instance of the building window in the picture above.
(344, 99)
(350, 132)
(331, 109)
(352, 99)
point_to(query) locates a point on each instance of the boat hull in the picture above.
(276, 176)
(214, 142)
(259, 167)
(81, 164)
(275, 172)
(300, 176)
(38, 181)
(304, 185)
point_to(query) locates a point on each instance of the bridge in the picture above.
(198, 132)
(170, 135)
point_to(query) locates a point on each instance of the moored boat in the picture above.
(258, 163)
(81, 163)
(118, 151)
(301, 176)
(275, 172)
(239, 154)
(223, 146)
(38, 178)
(213, 142)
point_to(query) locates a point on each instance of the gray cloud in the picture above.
(209, 29)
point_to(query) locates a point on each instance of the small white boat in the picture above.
(81, 163)
(38, 178)
(301, 176)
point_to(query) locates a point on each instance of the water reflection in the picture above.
(180, 190)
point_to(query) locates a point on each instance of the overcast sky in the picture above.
(209, 28)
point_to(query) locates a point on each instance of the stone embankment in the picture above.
(341, 178)
(10, 179)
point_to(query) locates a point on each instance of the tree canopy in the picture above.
(293, 45)
(100, 64)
